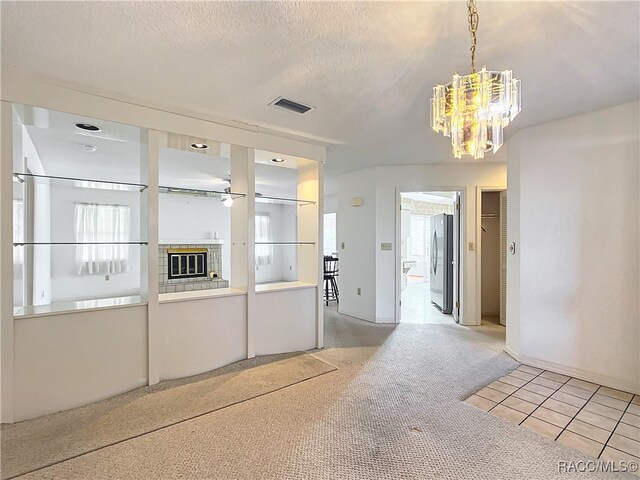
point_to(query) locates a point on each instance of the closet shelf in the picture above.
(82, 182)
(198, 192)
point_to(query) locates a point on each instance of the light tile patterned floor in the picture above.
(598, 421)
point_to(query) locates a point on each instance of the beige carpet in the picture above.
(394, 409)
(44, 441)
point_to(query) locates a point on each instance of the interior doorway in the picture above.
(493, 255)
(429, 246)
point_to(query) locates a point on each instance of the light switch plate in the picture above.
(471, 246)
(385, 246)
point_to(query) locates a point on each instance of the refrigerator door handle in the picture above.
(434, 253)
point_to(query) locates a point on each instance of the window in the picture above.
(330, 238)
(18, 231)
(99, 228)
(264, 233)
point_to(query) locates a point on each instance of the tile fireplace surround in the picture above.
(214, 264)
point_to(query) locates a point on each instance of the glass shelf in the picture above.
(20, 244)
(81, 182)
(199, 192)
(263, 199)
(285, 243)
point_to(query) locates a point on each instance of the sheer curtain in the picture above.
(264, 233)
(102, 223)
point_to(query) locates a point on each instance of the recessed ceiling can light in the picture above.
(199, 146)
(90, 148)
(277, 160)
(87, 127)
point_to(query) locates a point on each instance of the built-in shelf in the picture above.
(199, 294)
(280, 286)
(263, 199)
(58, 308)
(81, 182)
(21, 244)
(285, 243)
(198, 192)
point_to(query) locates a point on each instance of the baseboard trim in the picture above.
(511, 353)
(600, 379)
(385, 320)
(366, 318)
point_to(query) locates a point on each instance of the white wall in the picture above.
(286, 321)
(64, 361)
(201, 335)
(490, 251)
(357, 230)
(66, 284)
(330, 203)
(363, 264)
(188, 217)
(578, 255)
(363, 229)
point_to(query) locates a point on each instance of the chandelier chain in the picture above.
(473, 28)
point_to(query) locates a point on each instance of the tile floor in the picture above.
(417, 307)
(598, 421)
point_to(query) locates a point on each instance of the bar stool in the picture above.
(330, 282)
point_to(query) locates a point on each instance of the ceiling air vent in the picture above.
(292, 106)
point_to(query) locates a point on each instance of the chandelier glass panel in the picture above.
(473, 109)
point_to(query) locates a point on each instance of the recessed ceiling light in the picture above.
(277, 160)
(87, 127)
(90, 148)
(199, 146)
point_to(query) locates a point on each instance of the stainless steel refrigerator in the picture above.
(442, 262)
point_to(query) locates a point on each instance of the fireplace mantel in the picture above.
(191, 241)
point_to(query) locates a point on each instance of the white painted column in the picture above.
(149, 164)
(310, 222)
(320, 272)
(6, 264)
(243, 269)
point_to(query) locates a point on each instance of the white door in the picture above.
(503, 257)
(456, 257)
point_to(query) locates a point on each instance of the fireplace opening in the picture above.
(187, 263)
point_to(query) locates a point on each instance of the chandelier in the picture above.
(473, 109)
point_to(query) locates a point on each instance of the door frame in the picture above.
(480, 189)
(461, 242)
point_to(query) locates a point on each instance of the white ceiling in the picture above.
(368, 67)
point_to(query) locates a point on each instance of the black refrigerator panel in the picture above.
(441, 262)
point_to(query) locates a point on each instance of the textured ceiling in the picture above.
(367, 67)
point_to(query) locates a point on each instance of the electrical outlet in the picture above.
(342, 245)
(106, 278)
(359, 291)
